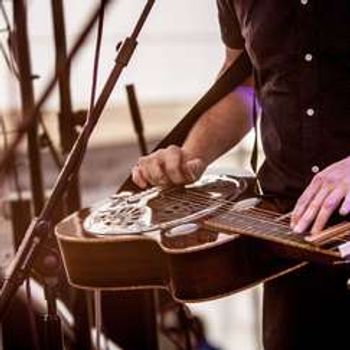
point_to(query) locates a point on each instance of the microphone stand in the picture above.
(41, 227)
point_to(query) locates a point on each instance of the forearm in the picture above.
(221, 127)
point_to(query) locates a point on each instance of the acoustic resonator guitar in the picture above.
(200, 241)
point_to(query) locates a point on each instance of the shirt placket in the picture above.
(309, 107)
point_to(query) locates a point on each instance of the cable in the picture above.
(8, 60)
(11, 57)
(94, 72)
(5, 16)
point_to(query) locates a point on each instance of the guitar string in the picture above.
(223, 208)
(277, 215)
(262, 214)
(198, 199)
(268, 214)
(261, 219)
(199, 196)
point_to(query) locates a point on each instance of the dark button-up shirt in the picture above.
(300, 51)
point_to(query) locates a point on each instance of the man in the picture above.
(300, 51)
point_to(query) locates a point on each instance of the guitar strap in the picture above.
(255, 155)
(227, 82)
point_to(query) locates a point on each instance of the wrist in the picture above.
(192, 154)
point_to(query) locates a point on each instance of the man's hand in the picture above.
(166, 167)
(328, 190)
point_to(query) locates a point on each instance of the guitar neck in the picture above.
(264, 225)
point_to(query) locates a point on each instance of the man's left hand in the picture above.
(328, 190)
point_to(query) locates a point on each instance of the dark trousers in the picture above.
(305, 310)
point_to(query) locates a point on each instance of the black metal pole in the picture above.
(136, 118)
(27, 97)
(66, 120)
(39, 229)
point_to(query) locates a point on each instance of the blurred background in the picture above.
(178, 57)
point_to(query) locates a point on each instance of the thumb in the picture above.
(194, 168)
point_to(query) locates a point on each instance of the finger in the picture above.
(173, 166)
(138, 178)
(345, 207)
(329, 205)
(155, 174)
(304, 201)
(194, 169)
(311, 211)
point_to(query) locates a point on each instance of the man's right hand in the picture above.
(166, 167)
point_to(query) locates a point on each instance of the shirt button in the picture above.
(310, 112)
(308, 57)
(304, 2)
(315, 169)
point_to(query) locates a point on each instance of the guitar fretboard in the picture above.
(264, 225)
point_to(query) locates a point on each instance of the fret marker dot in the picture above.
(315, 169)
(308, 57)
(310, 112)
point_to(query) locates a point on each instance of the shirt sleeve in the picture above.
(229, 26)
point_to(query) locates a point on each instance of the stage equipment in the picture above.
(27, 98)
(67, 122)
(68, 134)
(29, 119)
(41, 227)
(47, 267)
(136, 118)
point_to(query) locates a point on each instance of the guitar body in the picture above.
(126, 263)
(191, 262)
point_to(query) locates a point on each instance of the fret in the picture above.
(252, 224)
(258, 224)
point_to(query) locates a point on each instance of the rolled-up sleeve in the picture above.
(229, 26)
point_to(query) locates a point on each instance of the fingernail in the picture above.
(292, 221)
(343, 211)
(298, 229)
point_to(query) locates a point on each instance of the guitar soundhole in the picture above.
(174, 211)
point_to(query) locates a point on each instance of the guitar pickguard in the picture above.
(157, 208)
